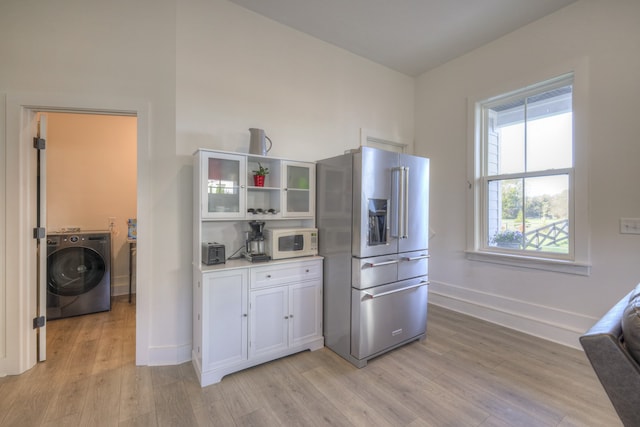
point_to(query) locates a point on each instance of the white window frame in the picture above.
(577, 260)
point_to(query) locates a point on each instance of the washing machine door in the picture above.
(74, 271)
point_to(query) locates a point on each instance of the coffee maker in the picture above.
(255, 245)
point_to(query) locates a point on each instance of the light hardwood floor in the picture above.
(466, 373)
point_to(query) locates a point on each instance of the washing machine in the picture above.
(78, 273)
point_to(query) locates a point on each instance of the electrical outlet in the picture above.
(629, 225)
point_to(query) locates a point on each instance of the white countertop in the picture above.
(243, 263)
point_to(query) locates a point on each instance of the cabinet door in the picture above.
(269, 321)
(224, 323)
(223, 185)
(299, 189)
(305, 312)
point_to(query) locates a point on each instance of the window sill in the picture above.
(558, 266)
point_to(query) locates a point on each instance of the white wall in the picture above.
(237, 70)
(116, 55)
(604, 36)
(206, 71)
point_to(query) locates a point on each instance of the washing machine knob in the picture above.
(74, 239)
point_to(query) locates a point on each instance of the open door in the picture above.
(40, 234)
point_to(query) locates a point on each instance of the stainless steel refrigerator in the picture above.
(373, 222)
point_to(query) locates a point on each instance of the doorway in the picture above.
(91, 190)
(18, 343)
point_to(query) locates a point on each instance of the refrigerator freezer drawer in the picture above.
(413, 264)
(374, 271)
(387, 316)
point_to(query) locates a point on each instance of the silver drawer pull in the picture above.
(372, 296)
(415, 258)
(379, 264)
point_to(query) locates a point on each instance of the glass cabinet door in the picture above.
(224, 185)
(299, 198)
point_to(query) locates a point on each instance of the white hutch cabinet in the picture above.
(227, 190)
(248, 313)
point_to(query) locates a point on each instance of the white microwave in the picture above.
(291, 242)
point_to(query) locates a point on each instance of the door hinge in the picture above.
(39, 233)
(38, 322)
(39, 143)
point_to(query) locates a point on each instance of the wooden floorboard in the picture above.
(466, 373)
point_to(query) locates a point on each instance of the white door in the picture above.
(41, 239)
(22, 345)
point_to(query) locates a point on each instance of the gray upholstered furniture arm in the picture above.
(616, 369)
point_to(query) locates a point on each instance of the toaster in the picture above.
(213, 253)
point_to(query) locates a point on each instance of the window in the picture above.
(525, 173)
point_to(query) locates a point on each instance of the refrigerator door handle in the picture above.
(415, 258)
(382, 294)
(405, 208)
(380, 264)
(396, 231)
(401, 202)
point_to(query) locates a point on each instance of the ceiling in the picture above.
(410, 36)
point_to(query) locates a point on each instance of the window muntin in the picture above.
(527, 171)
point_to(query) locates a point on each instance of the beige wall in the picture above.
(91, 176)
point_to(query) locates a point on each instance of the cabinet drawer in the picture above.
(285, 273)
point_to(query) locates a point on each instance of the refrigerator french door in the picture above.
(391, 205)
(373, 213)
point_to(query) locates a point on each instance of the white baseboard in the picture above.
(169, 355)
(545, 322)
(120, 285)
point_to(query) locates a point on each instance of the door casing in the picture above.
(18, 349)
